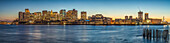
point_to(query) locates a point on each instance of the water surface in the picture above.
(76, 34)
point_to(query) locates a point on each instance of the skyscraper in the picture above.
(74, 14)
(83, 15)
(126, 17)
(62, 14)
(140, 16)
(146, 16)
(21, 16)
(69, 15)
(27, 14)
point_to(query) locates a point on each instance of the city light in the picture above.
(71, 17)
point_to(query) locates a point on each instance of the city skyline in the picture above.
(156, 9)
(70, 17)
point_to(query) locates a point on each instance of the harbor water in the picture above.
(77, 33)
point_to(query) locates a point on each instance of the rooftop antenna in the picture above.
(139, 9)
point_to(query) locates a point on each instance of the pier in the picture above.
(156, 34)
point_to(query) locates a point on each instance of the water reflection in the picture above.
(76, 34)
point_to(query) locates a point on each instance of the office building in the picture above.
(69, 15)
(62, 14)
(140, 16)
(83, 15)
(27, 14)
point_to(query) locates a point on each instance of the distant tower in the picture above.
(126, 17)
(130, 17)
(140, 16)
(163, 19)
(146, 16)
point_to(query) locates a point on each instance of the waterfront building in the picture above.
(107, 20)
(98, 18)
(156, 21)
(5, 22)
(83, 15)
(119, 21)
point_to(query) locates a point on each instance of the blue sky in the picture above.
(111, 8)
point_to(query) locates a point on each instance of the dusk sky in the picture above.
(110, 8)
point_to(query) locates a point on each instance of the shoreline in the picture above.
(85, 24)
